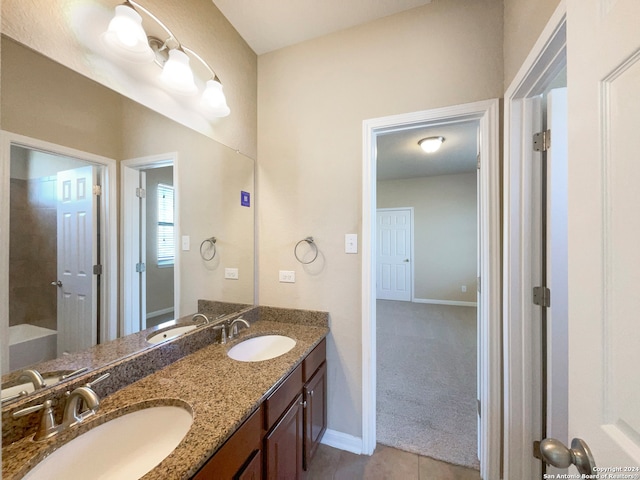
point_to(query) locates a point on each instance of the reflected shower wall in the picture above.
(32, 251)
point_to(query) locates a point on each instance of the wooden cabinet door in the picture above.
(315, 413)
(283, 445)
(253, 470)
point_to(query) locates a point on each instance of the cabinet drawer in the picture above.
(314, 360)
(279, 400)
(242, 445)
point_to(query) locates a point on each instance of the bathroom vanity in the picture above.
(250, 419)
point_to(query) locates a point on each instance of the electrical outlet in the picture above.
(231, 273)
(463, 288)
(287, 276)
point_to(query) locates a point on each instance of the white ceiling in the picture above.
(400, 156)
(268, 25)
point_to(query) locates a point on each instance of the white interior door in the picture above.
(133, 276)
(77, 253)
(393, 262)
(604, 228)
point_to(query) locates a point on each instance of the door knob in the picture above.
(555, 453)
(57, 284)
(406, 259)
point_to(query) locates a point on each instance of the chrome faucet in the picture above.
(201, 315)
(34, 377)
(223, 332)
(233, 327)
(73, 411)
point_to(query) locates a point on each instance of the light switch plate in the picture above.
(287, 276)
(231, 273)
(351, 243)
(186, 242)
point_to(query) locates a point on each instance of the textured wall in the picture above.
(524, 21)
(445, 232)
(312, 99)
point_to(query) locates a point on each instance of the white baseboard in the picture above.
(342, 441)
(445, 302)
(159, 312)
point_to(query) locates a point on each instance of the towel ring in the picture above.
(211, 242)
(312, 244)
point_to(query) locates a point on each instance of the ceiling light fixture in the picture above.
(431, 144)
(126, 36)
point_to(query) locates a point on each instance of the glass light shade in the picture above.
(214, 99)
(126, 36)
(177, 74)
(431, 144)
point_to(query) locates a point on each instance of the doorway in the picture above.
(486, 114)
(149, 248)
(58, 217)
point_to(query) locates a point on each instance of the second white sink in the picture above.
(170, 333)
(261, 348)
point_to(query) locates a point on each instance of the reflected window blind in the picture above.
(166, 238)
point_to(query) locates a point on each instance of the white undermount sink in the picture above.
(261, 348)
(170, 333)
(124, 448)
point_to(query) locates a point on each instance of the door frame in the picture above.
(412, 251)
(487, 113)
(546, 59)
(109, 254)
(144, 163)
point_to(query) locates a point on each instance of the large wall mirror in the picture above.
(175, 188)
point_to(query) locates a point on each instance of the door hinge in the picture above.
(478, 162)
(140, 267)
(97, 190)
(542, 141)
(479, 408)
(542, 296)
(97, 269)
(141, 193)
(479, 285)
(536, 450)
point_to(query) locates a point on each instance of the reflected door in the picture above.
(77, 254)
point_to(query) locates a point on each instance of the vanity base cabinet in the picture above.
(280, 438)
(240, 457)
(283, 445)
(315, 412)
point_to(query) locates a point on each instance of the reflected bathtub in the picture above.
(29, 344)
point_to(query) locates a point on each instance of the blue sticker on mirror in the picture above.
(245, 199)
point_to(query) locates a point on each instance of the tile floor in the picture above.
(386, 463)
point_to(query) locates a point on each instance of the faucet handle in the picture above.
(26, 411)
(223, 332)
(98, 380)
(47, 427)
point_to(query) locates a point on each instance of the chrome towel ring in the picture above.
(311, 243)
(208, 246)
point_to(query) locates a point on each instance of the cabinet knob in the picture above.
(304, 404)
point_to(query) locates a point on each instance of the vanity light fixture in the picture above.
(126, 36)
(431, 144)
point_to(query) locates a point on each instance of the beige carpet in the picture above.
(426, 383)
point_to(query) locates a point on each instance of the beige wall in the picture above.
(524, 21)
(62, 30)
(312, 99)
(445, 232)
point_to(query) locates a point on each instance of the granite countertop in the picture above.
(220, 392)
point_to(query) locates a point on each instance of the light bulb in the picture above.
(126, 36)
(431, 144)
(177, 74)
(214, 99)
